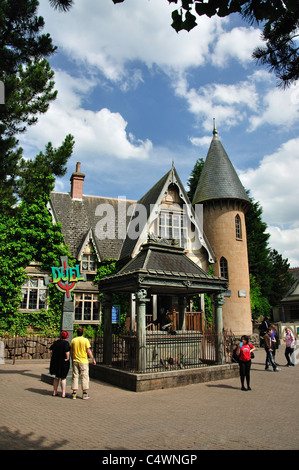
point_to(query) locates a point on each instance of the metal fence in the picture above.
(166, 351)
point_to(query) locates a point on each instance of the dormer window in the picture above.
(89, 260)
(172, 218)
(172, 226)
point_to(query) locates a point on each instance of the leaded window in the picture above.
(87, 307)
(172, 226)
(34, 294)
(238, 226)
(223, 268)
(88, 262)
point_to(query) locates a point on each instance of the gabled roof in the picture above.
(218, 179)
(79, 218)
(151, 201)
(89, 238)
(163, 268)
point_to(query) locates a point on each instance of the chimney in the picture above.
(77, 179)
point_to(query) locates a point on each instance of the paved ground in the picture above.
(209, 416)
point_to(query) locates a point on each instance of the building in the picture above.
(211, 231)
(288, 310)
(225, 203)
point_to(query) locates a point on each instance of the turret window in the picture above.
(223, 268)
(238, 227)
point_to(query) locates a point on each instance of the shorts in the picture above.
(80, 371)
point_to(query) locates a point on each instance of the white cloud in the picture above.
(286, 243)
(229, 104)
(96, 133)
(238, 44)
(278, 107)
(201, 141)
(274, 184)
(110, 37)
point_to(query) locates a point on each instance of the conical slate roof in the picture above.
(218, 179)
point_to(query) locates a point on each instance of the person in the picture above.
(60, 362)
(269, 350)
(244, 350)
(274, 341)
(80, 351)
(289, 340)
(263, 330)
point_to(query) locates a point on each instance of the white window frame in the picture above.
(171, 226)
(40, 292)
(82, 298)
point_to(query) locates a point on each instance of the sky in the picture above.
(138, 96)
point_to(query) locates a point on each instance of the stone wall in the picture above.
(27, 347)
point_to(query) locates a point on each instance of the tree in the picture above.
(260, 305)
(28, 81)
(258, 248)
(269, 276)
(30, 235)
(282, 279)
(62, 5)
(279, 19)
(194, 178)
(27, 232)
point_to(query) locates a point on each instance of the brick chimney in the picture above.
(77, 179)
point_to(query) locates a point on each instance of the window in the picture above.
(172, 226)
(223, 268)
(87, 307)
(238, 226)
(88, 262)
(34, 294)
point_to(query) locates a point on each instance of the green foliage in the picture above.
(29, 85)
(279, 19)
(194, 178)
(260, 305)
(26, 230)
(30, 235)
(107, 268)
(269, 272)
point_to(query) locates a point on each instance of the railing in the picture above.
(166, 351)
(194, 321)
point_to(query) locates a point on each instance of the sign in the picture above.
(65, 278)
(115, 313)
(242, 293)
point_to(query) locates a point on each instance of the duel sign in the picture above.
(65, 278)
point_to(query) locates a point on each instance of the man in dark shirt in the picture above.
(269, 350)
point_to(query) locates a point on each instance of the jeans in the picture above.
(288, 352)
(270, 360)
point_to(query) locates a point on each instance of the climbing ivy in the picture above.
(29, 235)
(107, 268)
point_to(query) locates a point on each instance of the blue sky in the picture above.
(136, 95)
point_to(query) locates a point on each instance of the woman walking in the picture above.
(60, 362)
(244, 351)
(289, 340)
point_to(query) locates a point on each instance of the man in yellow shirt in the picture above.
(80, 351)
